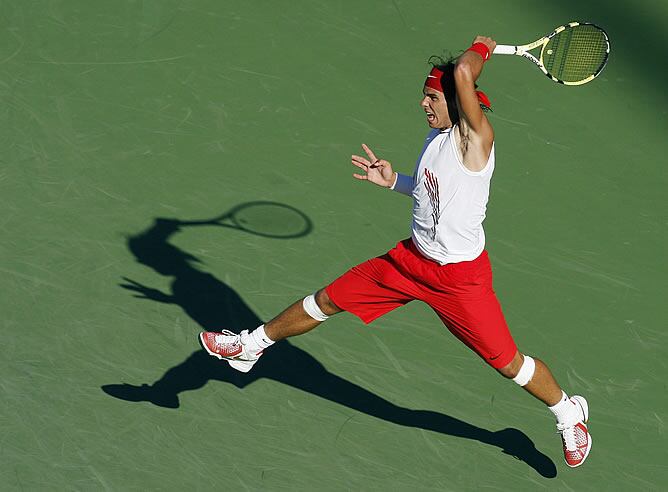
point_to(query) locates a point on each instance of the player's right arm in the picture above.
(468, 69)
(475, 132)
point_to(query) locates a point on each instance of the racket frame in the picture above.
(523, 51)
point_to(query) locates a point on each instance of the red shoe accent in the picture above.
(575, 438)
(576, 457)
(230, 347)
(222, 345)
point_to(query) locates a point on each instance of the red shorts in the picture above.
(460, 293)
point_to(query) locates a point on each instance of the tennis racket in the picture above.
(266, 219)
(572, 54)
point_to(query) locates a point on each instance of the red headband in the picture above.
(434, 79)
(434, 82)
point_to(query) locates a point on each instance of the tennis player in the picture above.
(444, 262)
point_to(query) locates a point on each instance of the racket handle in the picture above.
(504, 49)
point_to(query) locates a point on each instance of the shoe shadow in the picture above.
(214, 306)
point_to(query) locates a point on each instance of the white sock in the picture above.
(259, 339)
(565, 411)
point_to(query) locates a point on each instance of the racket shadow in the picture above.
(214, 305)
(262, 218)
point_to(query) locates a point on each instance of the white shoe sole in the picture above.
(241, 365)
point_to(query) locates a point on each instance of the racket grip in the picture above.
(504, 49)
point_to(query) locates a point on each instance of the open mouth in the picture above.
(430, 117)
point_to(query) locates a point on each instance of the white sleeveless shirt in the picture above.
(449, 201)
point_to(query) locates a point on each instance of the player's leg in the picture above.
(302, 316)
(362, 290)
(494, 343)
(571, 413)
(244, 349)
(541, 385)
(474, 315)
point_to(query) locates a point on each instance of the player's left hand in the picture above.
(377, 171)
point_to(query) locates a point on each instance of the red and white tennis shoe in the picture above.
(575, 436)
(231, 347)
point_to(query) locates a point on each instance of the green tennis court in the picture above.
(127, 126)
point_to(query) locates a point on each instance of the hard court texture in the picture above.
(125, 123)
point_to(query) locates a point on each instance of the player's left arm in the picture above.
(467, 70)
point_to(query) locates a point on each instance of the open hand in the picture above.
(143, 292)
(378, 171)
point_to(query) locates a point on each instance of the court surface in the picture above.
(122, 121)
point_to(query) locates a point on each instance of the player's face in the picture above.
(436, 108)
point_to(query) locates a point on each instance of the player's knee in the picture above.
(521, 369)
(325, 303)
(319, 306)
(512, 369)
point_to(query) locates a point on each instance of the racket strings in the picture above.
(576, 53)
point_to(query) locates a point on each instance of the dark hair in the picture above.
(448, 84)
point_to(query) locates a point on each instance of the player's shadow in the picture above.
(214, 306)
